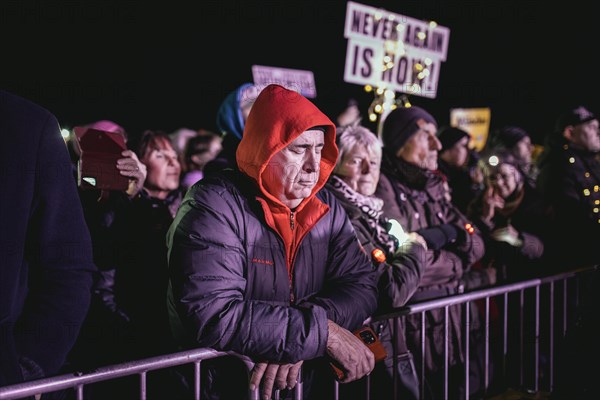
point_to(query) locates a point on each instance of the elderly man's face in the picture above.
(422, 147)
(291, 174)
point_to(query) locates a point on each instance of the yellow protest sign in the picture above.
(475, 121)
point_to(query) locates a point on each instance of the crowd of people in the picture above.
(278, 236)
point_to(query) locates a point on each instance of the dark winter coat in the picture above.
(531, 221)
(399, 277)
(569, 180)
(246, 279)
(463, 189)
(45, 248)
(416, 198)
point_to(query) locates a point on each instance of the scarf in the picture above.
(371, 208)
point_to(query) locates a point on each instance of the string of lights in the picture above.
(385, 99)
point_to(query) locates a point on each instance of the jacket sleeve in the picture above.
(470, 247)
(207, 265)
(533, 246)
(402, 274)
(59, 254)
(453, 260)
(350, 292)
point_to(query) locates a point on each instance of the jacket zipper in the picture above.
(291, 278)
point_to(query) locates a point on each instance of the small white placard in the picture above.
(301, 81)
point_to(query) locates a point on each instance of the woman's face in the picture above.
(163, 171)
(505, 180)
(359, 168)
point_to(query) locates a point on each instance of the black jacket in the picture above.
(46, 268)
(569, 180)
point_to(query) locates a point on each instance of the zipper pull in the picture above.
(292, 224)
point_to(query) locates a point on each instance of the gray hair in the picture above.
(349, 136)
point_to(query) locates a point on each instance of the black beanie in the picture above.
(509, 136)
(401, 124)
(449, 136)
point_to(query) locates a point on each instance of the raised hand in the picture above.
(491, 202)
(133, 168)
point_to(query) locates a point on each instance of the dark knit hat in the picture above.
(449, 136)
(575, 116)
(508, 136)
(401, 124)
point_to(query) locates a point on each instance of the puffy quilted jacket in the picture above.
(243, 278)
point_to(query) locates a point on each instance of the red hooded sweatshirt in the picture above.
(276, 119)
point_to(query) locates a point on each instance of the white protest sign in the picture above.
(393, 51)
(301, 81)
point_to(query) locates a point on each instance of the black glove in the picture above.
(439, 236)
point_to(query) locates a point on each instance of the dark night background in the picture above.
(167, 66)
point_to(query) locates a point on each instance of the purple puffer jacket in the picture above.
(230, 288)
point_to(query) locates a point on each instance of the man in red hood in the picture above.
(266, 264)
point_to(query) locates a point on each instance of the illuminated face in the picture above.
(293, 172)
(163, 172)
(505, 180)
(586, 136)
(523, 150)
(422, 147)
(359, 168)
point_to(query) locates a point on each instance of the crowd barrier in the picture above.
(549, 316)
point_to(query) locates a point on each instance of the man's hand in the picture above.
(354, 358)
(283, 376)
(133, 168)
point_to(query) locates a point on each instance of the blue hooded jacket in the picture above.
(229, 115)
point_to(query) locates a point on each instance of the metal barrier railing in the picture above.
(78, 380)
(504, 291)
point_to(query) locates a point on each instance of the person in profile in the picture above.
(569, 180)
(45, 247)
(415, 195)
(454, 159)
